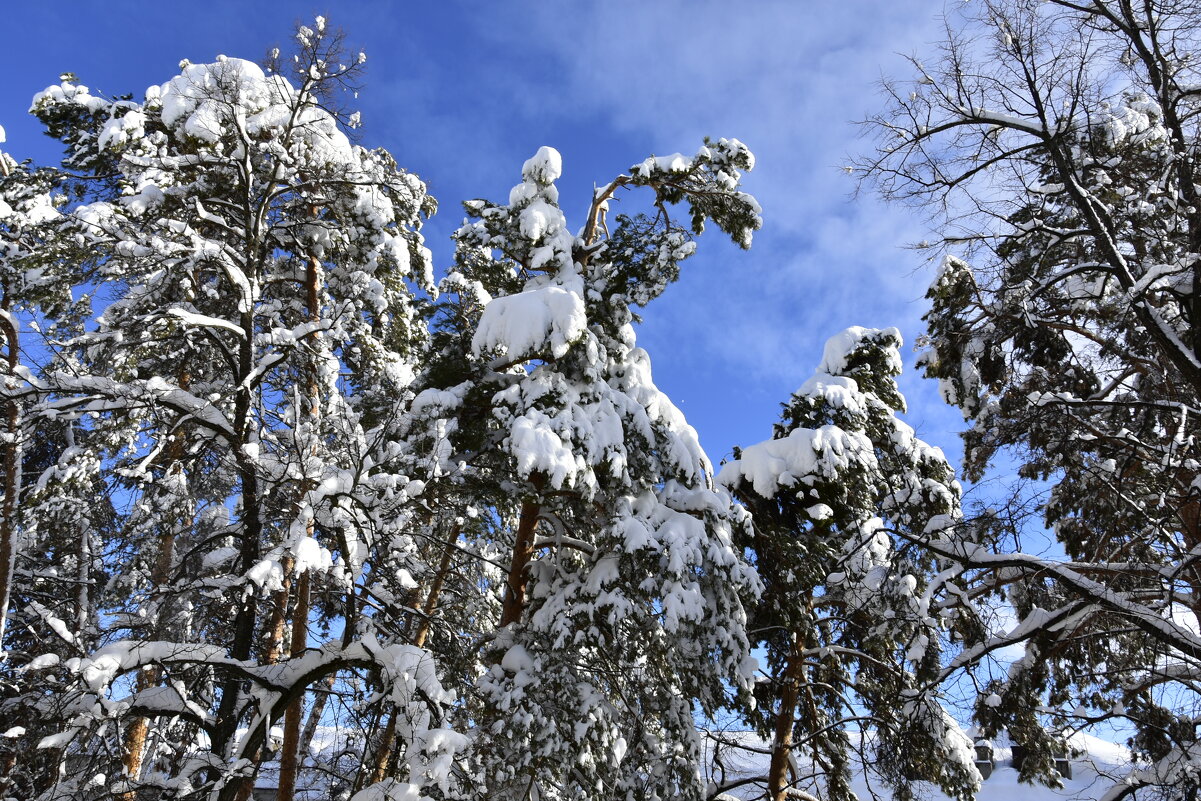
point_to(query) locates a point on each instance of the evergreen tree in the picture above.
(253, 254)
(621, 597)
(851, 616)
(49, 540)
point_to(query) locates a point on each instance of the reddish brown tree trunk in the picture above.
(289, 758)
(1190, 516)
(289, 762)
(781, 747)
(523, 554)
(383, 752)
(277, 625)
(431, 600)
(384, 749)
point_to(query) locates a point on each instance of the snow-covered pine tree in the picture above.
(616, 610)
(850, 617)
(1062, 140)
(16, 247)
(249, 254)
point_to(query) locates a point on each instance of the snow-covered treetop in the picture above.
(241, 171)
(852, 393)
(548, 316)
(537, 305)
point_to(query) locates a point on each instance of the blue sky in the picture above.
(463, 92)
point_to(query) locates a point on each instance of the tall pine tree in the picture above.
(851, 616)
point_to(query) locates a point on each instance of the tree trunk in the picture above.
(248, 555)
(523, 554)
(781, 747)
(276, 627)
(134, 744)
(431, 600)
(315, 712)
(1190, 516)
(289, 758)
(277, 624)
(383, 752)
